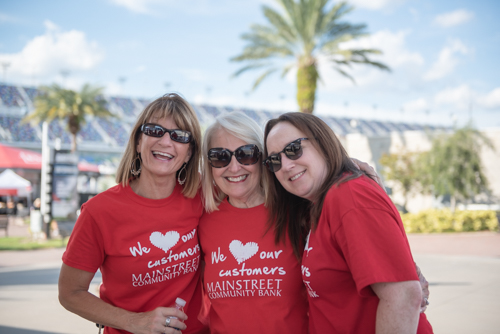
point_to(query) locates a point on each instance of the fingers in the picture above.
(425, 289)
(173, 312)
(173, 325)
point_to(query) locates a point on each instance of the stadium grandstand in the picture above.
(101, 141)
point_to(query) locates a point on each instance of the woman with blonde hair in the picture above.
(142, 233)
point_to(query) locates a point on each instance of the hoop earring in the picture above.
(183, 169)
(134, 170)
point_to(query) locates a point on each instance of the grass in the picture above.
(26, 243)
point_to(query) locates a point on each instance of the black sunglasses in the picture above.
(246, 155)
(155, 130)
(293, 151)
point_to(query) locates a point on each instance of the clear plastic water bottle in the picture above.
(179, 304)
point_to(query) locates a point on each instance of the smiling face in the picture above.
(302, 177)
(240, 182)
(162, 157)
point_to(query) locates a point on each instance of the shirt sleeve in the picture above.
(375, 248)
(85, 250)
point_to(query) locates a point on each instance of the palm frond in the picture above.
(249, 67)
(262, 77)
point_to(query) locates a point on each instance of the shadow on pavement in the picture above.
(35, 276)
(14, 330)
(450, 283)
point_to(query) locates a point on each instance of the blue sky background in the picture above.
(444, 55)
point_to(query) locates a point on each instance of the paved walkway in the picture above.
(463, 270)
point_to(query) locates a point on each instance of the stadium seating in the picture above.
(111, 135)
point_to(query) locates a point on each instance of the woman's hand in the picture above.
(75, 297)
(363, 166)
(425, 290)
(155, 322)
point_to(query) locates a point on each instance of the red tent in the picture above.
(11, 157)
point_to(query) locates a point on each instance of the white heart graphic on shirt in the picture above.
(164, 242)
(243, 252)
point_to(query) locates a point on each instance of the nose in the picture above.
(286, 163)
(234, 165)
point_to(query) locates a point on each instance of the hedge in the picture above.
(435, 221)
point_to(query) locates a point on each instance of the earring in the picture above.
(133, 168)
(183, 169)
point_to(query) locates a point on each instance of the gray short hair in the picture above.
(242, 127)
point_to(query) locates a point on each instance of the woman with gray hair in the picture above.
(141, 234)
(253, 283)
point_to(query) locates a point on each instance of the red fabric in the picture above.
(359, 241)
(268, 297)
(147, 250)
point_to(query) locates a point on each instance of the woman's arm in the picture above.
(75, 297)
(399, 307)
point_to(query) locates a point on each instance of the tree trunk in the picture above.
(307, 77)
(74, 128)
(453, 203)
(73, 143)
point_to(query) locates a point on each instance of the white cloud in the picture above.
(137, 6)
(459, 97)
(447, 61)
(490, 100)
(45, 56)
(463, 98)
(416, 105)
(457, 17)
(395, 54)
(375, 4)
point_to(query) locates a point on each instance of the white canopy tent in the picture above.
(12, 184)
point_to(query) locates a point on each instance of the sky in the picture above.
(443, 56)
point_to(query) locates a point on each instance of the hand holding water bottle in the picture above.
(169, 322)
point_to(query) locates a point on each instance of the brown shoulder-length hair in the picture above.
(169, 105)
(295, 215)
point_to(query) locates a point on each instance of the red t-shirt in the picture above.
(359, 241)
(254, 285)
(147, 250)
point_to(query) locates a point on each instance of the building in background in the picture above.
(102, 141)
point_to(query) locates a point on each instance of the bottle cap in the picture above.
(180, 301)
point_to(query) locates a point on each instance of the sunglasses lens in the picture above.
(293, 150)
(219, 157)
(180, 136)
(152, 130)
(273, 163)
(247, 155)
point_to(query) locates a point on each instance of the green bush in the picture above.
(435, 221)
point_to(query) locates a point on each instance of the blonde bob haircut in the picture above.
(242, 127)
(169, 105)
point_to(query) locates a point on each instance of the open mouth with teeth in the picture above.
(295, 177)
(237, 178)
(162, 156)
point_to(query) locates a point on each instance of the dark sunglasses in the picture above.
(246, 155)
(155, 130)
(293, 151)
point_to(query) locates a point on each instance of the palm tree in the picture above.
(57, 102)
(306, 30)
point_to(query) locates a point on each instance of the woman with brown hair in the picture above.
(356, 264)
(142, 233)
